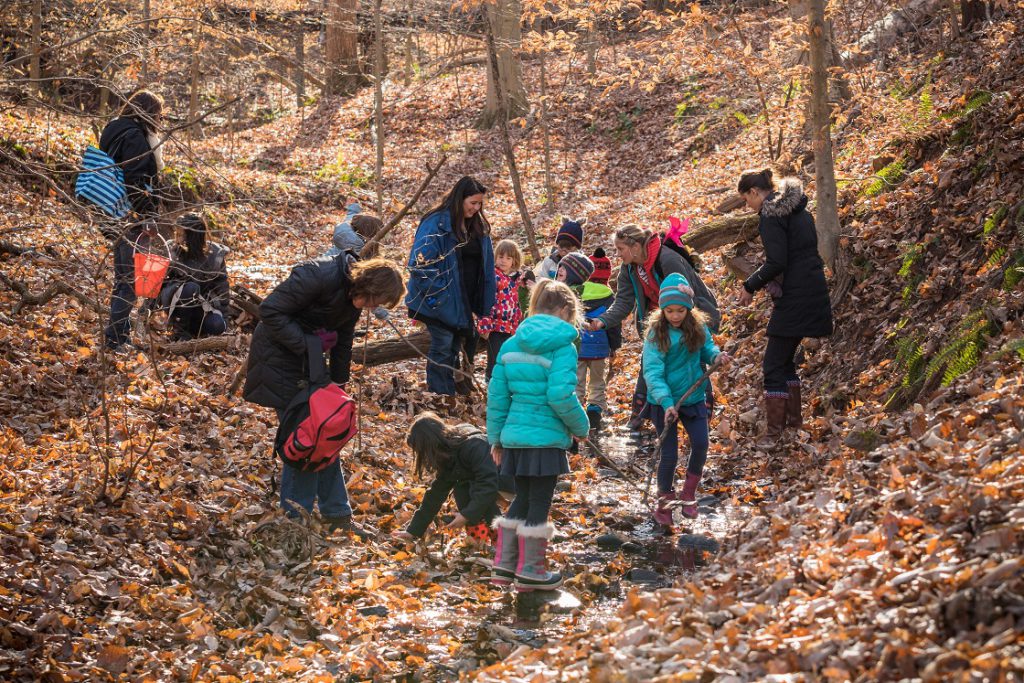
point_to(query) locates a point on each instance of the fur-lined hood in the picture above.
(788, 199)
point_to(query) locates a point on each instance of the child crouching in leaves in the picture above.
(532, 416)
(459, 458)
(678, 342)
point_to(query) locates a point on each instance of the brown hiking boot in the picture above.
(794, 418)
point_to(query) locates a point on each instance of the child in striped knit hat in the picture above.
(678, 342)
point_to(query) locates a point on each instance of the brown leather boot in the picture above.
(775, 414)
(794, 418)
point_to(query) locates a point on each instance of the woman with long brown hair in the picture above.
(451, 279)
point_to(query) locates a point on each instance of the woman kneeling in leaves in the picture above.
(459, 457)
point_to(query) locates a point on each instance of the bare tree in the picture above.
(342, 47)
(504, 18)
(827, 218)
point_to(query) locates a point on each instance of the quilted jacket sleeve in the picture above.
(562, 392)
(291, 297)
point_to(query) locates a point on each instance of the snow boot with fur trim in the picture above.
(532, 573)
(506, 551)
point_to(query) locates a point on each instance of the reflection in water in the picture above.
(532, 606)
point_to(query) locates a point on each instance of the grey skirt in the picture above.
(534, 462)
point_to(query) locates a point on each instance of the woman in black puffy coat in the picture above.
(794, 274)
(321, 300)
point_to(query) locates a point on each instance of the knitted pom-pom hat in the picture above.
(675, 289)
(577, 268)
(602, 267)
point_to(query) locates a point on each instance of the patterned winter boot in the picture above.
(506, 551)
(663, 513)
(688, 496)
(532, 573)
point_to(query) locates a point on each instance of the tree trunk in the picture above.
(549, 186)
(35, 68)
(145, 42)
(378, 102)
(827, 219)
(342, 47)
(504, 17)
(193, 98)
(300, 69)
(591, 49)
(972, 12)
(408, 44)
(510, 158)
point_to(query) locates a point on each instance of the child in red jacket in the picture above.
(504, 318)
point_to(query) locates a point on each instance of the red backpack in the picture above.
(318, 422)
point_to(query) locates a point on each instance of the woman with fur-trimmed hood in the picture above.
(794, 275)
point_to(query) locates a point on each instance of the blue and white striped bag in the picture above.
(101, 182)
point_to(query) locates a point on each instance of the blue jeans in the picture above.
(445, 345)
(695, 421)
(304, 488)
(122, 299)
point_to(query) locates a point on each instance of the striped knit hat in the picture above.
(675, 289)
(577, 268)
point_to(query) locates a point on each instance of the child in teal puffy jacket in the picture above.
(532, 416)
(678, 342)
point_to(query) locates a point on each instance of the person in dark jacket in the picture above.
(794, 274)
(131, 140)
(451, 279)
(196, 292)
(322, 298)
(459, 457)
(645, 265)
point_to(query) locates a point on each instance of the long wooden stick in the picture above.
(672, 425)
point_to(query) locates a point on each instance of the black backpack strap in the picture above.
(317, 365)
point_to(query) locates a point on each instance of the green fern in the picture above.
(925, 104)
(993, 221)
(1014, 274)
(996, 258)
(887, 177)
(910, 359)
(957, 356)
(962, 363)
(978, 100)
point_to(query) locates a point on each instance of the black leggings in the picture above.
(779, 366)
(533, 499)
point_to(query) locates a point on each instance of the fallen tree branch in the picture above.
(12, 248)
(722, 232)
(389, 226)
(56, 288)
(226, 342)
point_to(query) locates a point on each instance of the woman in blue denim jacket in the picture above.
(451, 279)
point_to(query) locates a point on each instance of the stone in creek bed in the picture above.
(641, 575)
(606, 473)
(374, 611)
(697, 542)
(709, 501)
(563, 485)
(610, 541)
(631, 547)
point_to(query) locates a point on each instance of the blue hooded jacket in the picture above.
(435, 292)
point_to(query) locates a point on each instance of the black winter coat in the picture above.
(125, 141)
(315, 296)
(472, 475)
(791, 250)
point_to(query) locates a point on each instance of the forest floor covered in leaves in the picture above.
(885, 543)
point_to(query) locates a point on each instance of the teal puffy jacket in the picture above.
(670, 374)
(531, 399)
